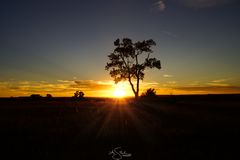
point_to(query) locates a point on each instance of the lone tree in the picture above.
(78, 95)
(125, 61)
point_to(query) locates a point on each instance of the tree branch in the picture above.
(129, 73)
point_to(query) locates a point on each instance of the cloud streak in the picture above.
(220, 82)
(160, 5)
(167, 76)
(210, 89)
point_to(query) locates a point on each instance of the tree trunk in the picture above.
(130, 82)
(136, 95)
(137, 92)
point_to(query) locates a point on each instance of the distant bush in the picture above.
(149, 93)
(78, 95)
(49, 96)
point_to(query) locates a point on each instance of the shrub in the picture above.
(49, 96)
(149, 93)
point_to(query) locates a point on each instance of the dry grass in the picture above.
(166, 127)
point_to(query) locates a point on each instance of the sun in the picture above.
(119, 93)
(120, 90)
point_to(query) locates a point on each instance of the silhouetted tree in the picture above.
(149, 93)
(125, 61)
(78, 95)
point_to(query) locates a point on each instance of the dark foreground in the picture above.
(167, 127)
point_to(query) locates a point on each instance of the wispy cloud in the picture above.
(160, 5)
(169, 84)
(92, 85)
(64, 81)
(198, 4)
(209, 89)
(172, 82)
(220, 82)
(167, 76)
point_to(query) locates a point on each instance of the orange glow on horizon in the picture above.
(104, 88)
(119, 90)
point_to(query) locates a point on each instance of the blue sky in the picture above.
(197, 42)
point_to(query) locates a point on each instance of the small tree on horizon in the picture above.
(125, 62)
(78, 95)
(49, 96)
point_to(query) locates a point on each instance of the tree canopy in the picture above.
(125, 61)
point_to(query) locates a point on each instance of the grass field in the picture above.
(166, 127)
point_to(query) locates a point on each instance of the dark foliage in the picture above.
(49, 96)
(78, 95)
(125, 61)
(149, 93)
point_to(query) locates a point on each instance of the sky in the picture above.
(59, 47)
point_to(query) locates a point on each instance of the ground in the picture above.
(164, 127)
